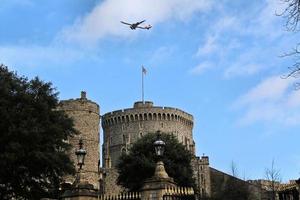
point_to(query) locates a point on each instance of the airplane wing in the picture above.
(125, 23)
(138, 23)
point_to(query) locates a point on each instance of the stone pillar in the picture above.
(155, 187)
(82, 191)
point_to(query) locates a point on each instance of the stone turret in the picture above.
(86, 116)
(122, 128)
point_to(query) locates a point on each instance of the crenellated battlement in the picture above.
(79, 104)
(148, 112)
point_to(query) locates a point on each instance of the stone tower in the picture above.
(122, 128)
(201, 174)
(86, 116)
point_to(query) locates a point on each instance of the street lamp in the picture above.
(80, 153)
(159, 146)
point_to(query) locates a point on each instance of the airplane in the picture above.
(137, 25)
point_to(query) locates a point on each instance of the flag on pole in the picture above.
(144, 70)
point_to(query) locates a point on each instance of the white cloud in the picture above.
(272, 100)
(237, 42)
(208, 47)
(272, 88)
(38, 56)
(268, 23)
(104, 19)
(226, 23)
(161, 54)
(242, 69)
(212, 41)
(202, 67)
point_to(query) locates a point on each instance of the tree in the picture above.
(292, 15)
(234, 170)
(273, 176)
(139, 164)
(33, 137)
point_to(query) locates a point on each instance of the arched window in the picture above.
(154, 116)
(124, 139)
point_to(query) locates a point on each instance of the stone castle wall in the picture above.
(123, 127)
(85, 114)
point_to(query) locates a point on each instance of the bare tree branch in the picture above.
(274, 177)
(233, 168)
(292, 14)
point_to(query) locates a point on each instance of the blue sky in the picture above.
(218, 60)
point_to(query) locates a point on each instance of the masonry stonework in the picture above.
(202, 175)
(85, 115)
(122, 128)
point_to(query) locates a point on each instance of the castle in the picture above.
(121, 128)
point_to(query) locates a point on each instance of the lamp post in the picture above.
(80, 153)
(81, 187)
(159, 147)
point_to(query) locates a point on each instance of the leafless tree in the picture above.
(273, 176)
(233, 168)
(292, 15)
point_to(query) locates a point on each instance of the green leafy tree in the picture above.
(139, 163)
(33, 138)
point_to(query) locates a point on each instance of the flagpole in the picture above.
(142, 85)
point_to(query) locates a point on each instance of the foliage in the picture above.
(33, 138)
(139, 164)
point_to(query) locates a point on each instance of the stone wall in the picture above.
(110, 182)
(85, 114)
(220, 179)
(122, 128)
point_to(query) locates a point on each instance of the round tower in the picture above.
(121, 128)
(85, 114)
